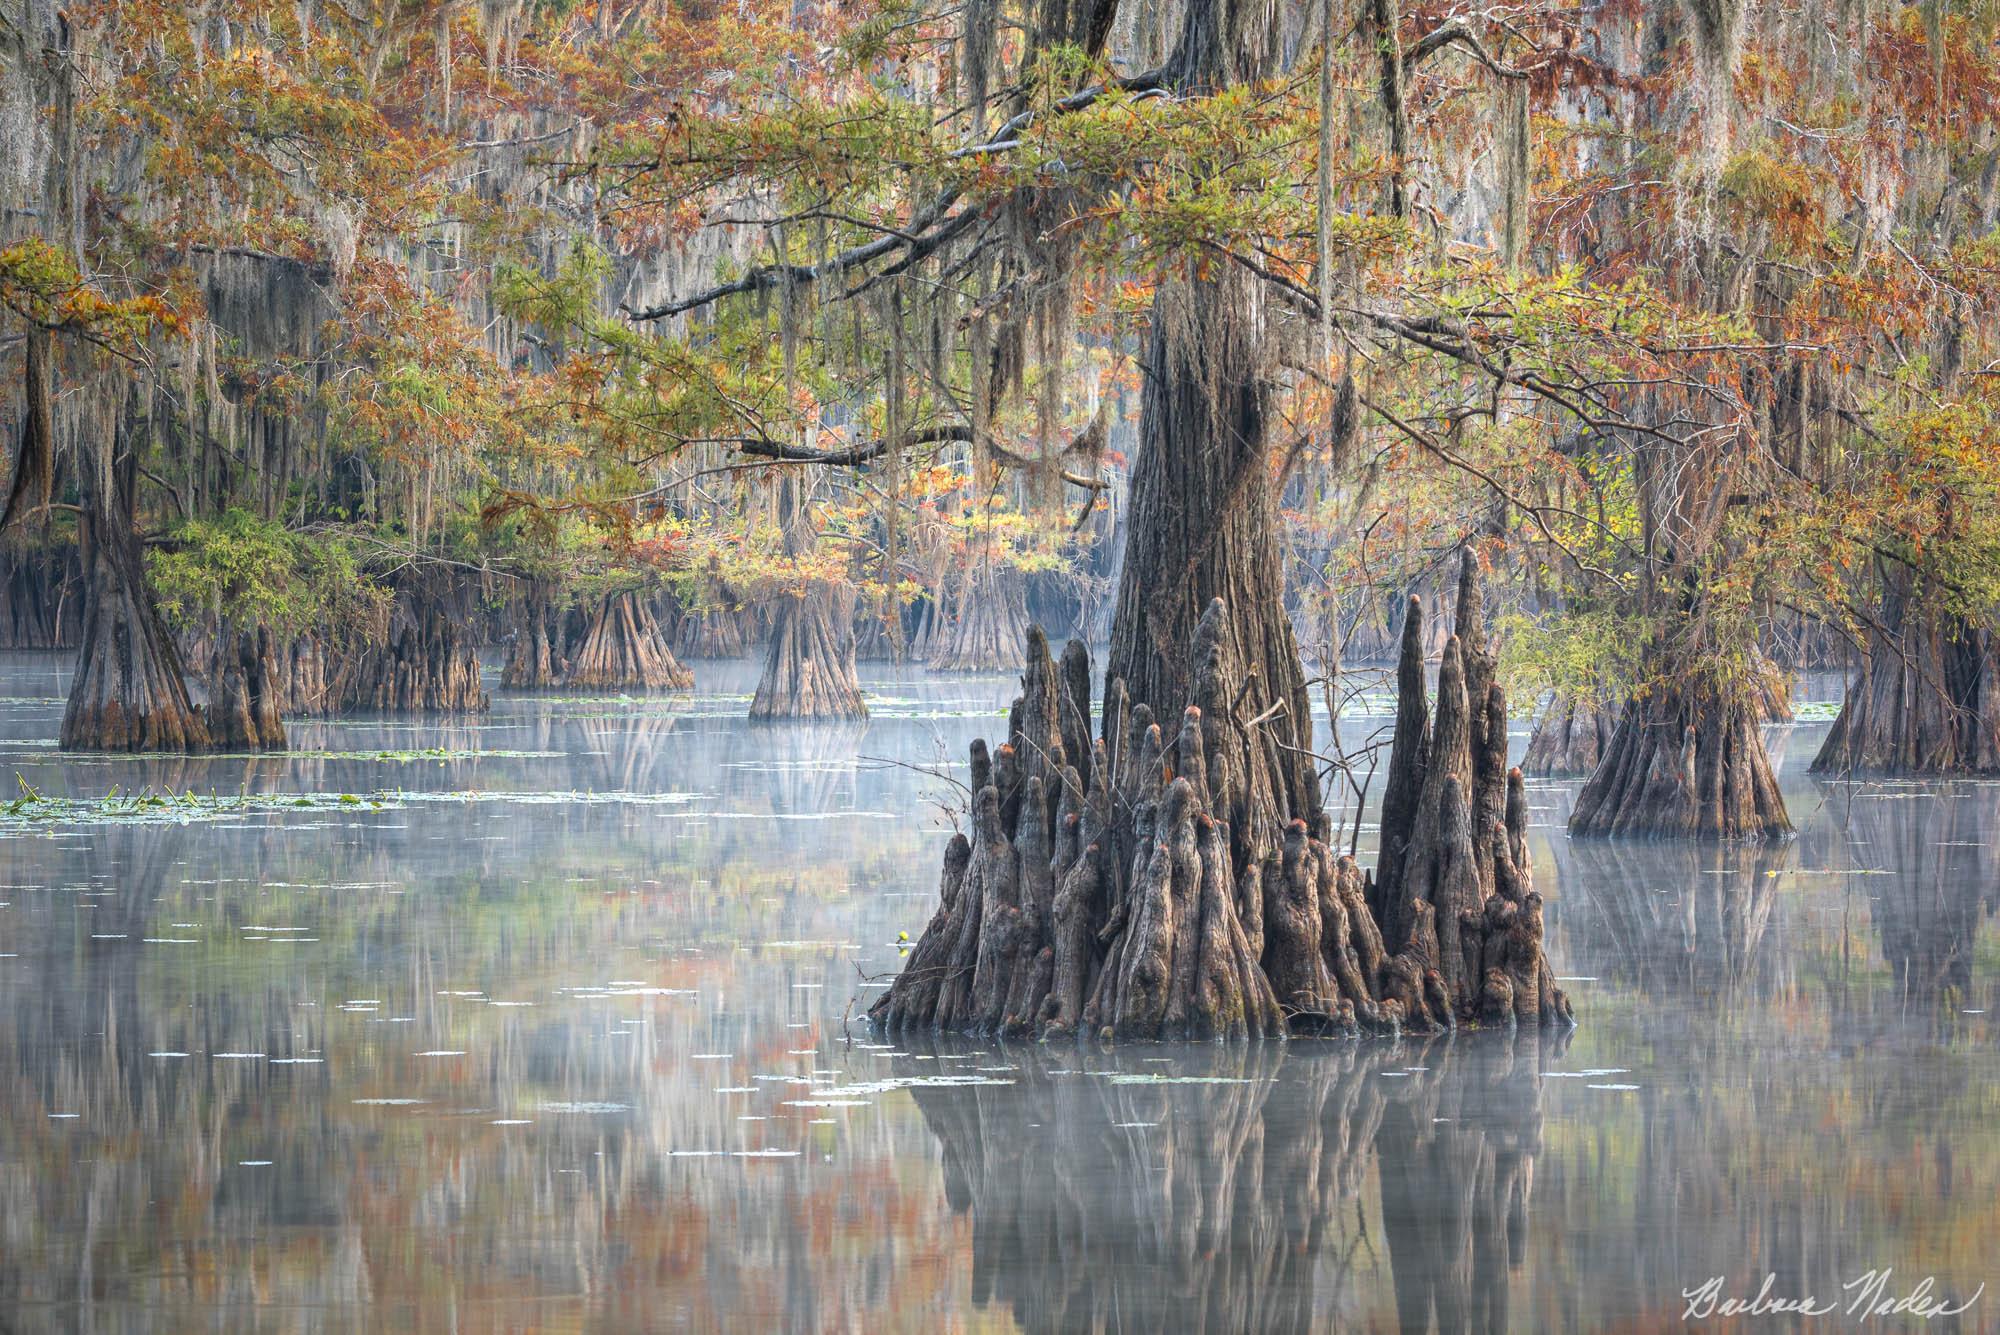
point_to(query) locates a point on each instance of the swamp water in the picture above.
(543, 1021)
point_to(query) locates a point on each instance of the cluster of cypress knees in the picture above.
(1147, 885)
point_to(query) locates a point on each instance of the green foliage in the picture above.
(1592, 655)
(252, 572)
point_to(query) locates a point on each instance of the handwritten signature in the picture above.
(1868, 1295)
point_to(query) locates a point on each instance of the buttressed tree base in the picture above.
(1107, 887)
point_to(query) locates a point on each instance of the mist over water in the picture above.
(545, 1020)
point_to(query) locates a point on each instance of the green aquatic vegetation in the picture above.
(45, 750)
(34, 811)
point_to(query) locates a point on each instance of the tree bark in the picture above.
(990, 623)
(1927, 700)
(1118, 896)
(128, 693)
(1203, 529)
(427, 663)
(624, 649)
(41, 597)
(1686, 759)
(532, 661)
(245, 692)
(809, 661)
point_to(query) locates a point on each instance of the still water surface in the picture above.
(543, 1021)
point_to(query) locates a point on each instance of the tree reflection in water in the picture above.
(1227, 1193)
(1925, 862)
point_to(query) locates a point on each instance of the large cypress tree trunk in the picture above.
(1172, 879)
(427, 662)
(1928, 697)
(128, 693)
(532, 662)
(1202, 528)
(1686, 759)
(625, 649)
(809, 661)
(1109, 886)
(989, 623)
(1570, 737)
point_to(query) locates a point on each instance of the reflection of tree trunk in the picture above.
(624, 649)
(1928, 697)
(1214, 1195)
(1942, 883)
(1672, 920)
(1147, 889)
(128, 693)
